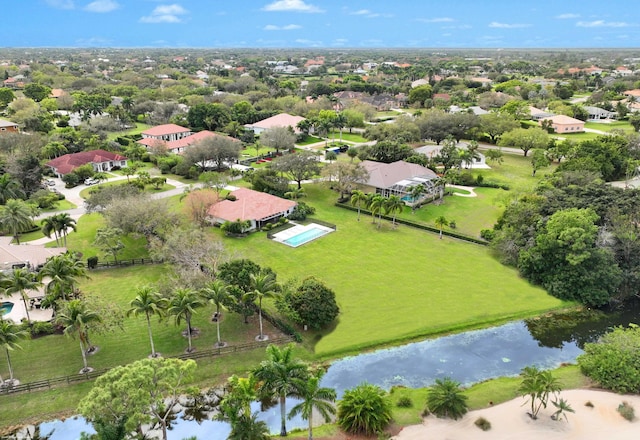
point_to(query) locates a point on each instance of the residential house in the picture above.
(166, 132)
(257, 207)
(8, 127)
(622, 71)
(564, 124)
(13, 256)
(419, 82)
(101, 160)
(537, 114)
(180, 145)
(398, 178)
(633, 95)
(479, 162)
(279, 120)
(597, 113)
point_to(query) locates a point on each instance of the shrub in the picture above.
(588, 404)
(92, 262)
(488, 234)
(404, 402)
(445, 399)
(41, 328)
(482, 423)
(614, 361)
(626, 410)
(312, 304)
(365, 409)
(301, 211)
(231, 197)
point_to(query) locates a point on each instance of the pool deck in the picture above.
(298, 229)
(17, 314)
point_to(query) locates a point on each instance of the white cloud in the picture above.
(309, 42)
(291, 6)
(567, 16)
(460, 26)
(60, 4)
(361, 12)
(495, 24)
(436, 20)
(602, 23)
(288, 27)
(102, 6)
(165, 14)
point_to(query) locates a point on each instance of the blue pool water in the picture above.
(305, 237)
(6, 307)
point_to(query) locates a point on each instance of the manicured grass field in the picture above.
(309, 140)
(515, 172)
(139, 128)
(399, 284)
(617, 125)
(149, 188)
(346, 136)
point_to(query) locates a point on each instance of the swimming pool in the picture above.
(299, 234)
(6, 307)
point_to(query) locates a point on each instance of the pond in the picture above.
(467, 357)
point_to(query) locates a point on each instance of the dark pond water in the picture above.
(467, 357)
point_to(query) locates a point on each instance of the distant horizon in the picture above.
(323, 24)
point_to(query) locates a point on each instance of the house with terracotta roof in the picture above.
(178, 146)
(564, 124)
(8, 127)
(398, 178)
(279, 120)
(166, 132)
(257, 207)
(633, 95)
(101, 160)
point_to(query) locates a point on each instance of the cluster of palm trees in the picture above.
(59, 225)
(377, 204)
(280, 376)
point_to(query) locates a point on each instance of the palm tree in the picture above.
(277, 376)
(445, 399)
(49, 225)
(248, 427)
(235, 408)
(441, 222)
(182, 306)
(9, 189)
(218, 294)
(294, 194)
(393, 205)
(10, 333)
(263, 285)
(537, 385)
(20, 281)
(314, 398)
(357, 199)
(64, 222)
(62, 271)
(562, 408)
(16, 216)
(74, 317)
(340, 122)
(376, 205)
(415, 193)
(149, 302)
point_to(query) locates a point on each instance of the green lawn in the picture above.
(139, 128)
(346, 136)
(309, 140)
(149, 188)
(394, 285)
(515, 171)
(617, 125)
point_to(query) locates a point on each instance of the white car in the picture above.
(90, 181)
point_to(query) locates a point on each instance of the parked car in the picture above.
(90, 181)
(51, 182)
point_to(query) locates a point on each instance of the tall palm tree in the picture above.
(314, 398)
(263, 285)
(20, 281)
(182, 305)
(62, 273)
(376, 205)
(441, 222)
(9, 189)
(49, 225)
(218, 294)
(64, 222)
(340, 122)
(149, 302)
(277, 377)
(16, 216)
(74, 317)
(393, 205)
(357, 199)
(415, 193)
(10, 333)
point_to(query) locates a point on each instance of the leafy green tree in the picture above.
(445, 399)
(539, 160)
(235, 408)
(300, 166)
(278, 138)
(441, 222)
(74, 316)
(345, 176)
(149, 302)
(9, 189)
(420, 94)
(277, 377)
(357, 199)
(537, 386)
(109, 241)
(10, 334)
(495, 124)
(634, 120)
(495, 155)
(61, 273)
(263, 285)
(182, 305)
(16, 216)
(614, 361)
(526, 139)
(217, 150)
(36, 91)
(449, 155)
(6, 97)
(218, 294)
(144, 392)
(311, 304)
(314, 398)
(364, 410)
(237, 273)
(21, 280)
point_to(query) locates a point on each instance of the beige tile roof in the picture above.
(250, 205)
(385, 175)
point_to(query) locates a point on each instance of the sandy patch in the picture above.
(510, 421)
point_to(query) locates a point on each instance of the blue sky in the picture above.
(322, 23)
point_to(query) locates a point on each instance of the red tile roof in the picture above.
(180, 143)
(69, 162)
(279, 120)
(250, 205)
(162, 130)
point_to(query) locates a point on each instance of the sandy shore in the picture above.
(509, 420)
